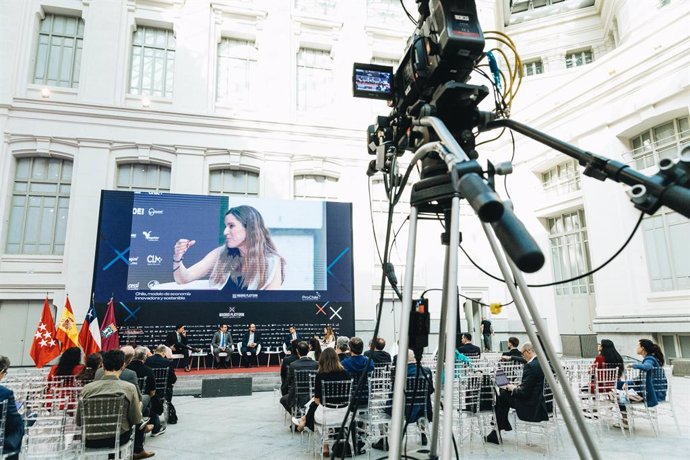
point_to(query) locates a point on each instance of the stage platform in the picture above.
(263, 378)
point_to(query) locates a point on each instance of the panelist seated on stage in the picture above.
(527, 398)
(291, 336)
(251, 341)
(222, 343)
(177, 341)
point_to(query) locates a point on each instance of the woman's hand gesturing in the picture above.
(181, 248)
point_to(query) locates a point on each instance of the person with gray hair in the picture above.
(127, 375)
(14, 424)
(342, 347)
(527, 398)
(147, 385)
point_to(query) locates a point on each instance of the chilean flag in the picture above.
(90, 334)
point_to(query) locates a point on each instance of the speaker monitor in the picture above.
(213, 388)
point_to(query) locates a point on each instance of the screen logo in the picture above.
(137, 211)
(153, 283)
(231, 313)
(134, 260)
(153, 259)
(149, 236)
(132, 286)
(154, 211)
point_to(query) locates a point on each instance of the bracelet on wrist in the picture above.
(177, 261)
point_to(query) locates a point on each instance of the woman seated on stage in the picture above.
(248, 260)
(329, 370)
(328, 340)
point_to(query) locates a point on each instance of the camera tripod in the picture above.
(670, 187)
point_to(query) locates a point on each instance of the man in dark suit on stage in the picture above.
(527, 398)
(468, 348)
(177, 341)
(304, 363)
(250, 342)
(222, 343)
(289, 337)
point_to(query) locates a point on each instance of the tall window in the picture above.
(233, 182)
(315, 7)
(533, 67)
(153, 61)
(668, 250)
(561, 179)
(314, 78)
(38, 211)
(236, 71)
(662, 141)
(570, 252)
(58, 58)
(386, 13)
(143, 177)
(315, 186)
(578, 58)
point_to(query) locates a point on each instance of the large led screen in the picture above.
(169, 259)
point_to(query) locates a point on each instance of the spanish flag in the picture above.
(67, 331)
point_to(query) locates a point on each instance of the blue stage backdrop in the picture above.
(137, 232)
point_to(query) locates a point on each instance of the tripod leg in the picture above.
(395, 438)
(451, 328)
(579, 434)
(439, 363)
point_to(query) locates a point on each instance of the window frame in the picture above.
(325, 187)
(649, 151)
(307, 104)
(137, 188)
(250, 62)
(536, 64)
(561, 244)
(665, 248)
(571, 58)
(151, 92)
(75, 56)
(247, 173)
(63, 188)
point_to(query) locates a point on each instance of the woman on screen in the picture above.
(248, 260)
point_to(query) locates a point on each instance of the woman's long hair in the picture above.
(329, 335)
(93, 362)
(253, 268)
(653, 349)
(68, 361)
(329, 362)
(611, 356)
(315, 345)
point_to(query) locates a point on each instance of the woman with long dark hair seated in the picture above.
(69, 364)
(88, 373)
(607, 358)
(652, 365)
(329, 370)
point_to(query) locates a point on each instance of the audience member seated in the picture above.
(290, 337)
(329, 370)
(379, 355)
(88, 374)
(356, 363)
(285, 366)
(149, 391)
(342, 347)
(127, 375)
(417, 411)
(314, 348)
(177, 341)
(468, 348)
(111, 385)
(250, 343)
(159, 361)
(304, 363)
(513, 354)
(69, 364)
(652, 358)
(328, 339)
(14, 425)
(527, 398)
(607, 358)
(222, 343)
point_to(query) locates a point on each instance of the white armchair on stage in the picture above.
(248, 353)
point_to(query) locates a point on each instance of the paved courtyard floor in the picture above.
(254, 427)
